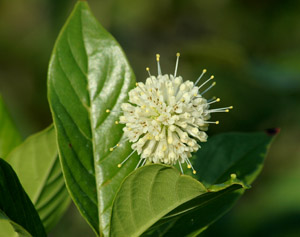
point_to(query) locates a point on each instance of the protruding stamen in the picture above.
(180, 167)
(141, 88)
(212, 85)
(148, 70)
(140, 161)
(190, 165)
(144, 162)
(116, 122)
(233, 176)
(158, 64)
(112, 148)
(219, 111)
(212, 77)
(214, 122)
(176, 66)
(119, 165)
(214, 101)
(199, 78)
(112, 111)
(225, 109)
(211, 99)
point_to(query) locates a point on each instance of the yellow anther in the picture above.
(157, 57)
(136, 84)
(214, 83)
(119, 165)
(218, 100)
(118, 145)
(147, 110)
(189, 166)
(217, 122)
(111, 149)
(204, 71)
(147, 69)
(129, 129)
(195, 94)
(116, 122)
(212, 77)
(233, 176)
(107, 111)
(143, 106)
(178, 54)
(194, 172)
(231, 107)
(227, 110)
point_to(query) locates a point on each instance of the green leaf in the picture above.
(15, 205)
(9, 135)
(151, 192)
(37, 165)
(239, 153)
(88, 73)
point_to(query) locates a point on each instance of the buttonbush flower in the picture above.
(166, 117)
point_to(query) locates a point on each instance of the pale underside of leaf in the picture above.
(37, 165)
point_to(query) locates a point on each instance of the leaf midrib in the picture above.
(92, 122)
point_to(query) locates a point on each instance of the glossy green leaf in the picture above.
(9, 135)
(37, 165)
(153, 191)
(15, 205)
(239, 153)
(88, 73)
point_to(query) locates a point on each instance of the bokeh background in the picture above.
(252, 47)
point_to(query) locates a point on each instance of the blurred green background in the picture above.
(252, 47)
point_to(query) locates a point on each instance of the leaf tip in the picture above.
(272, 131)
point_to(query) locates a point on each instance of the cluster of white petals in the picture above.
(166, 118)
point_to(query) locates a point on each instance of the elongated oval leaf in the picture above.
(9, 135)
(15, 205)
(37, 165)
(151, 192)
(88, 73)
(224, 154)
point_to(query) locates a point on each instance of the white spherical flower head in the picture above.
(166, 118)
